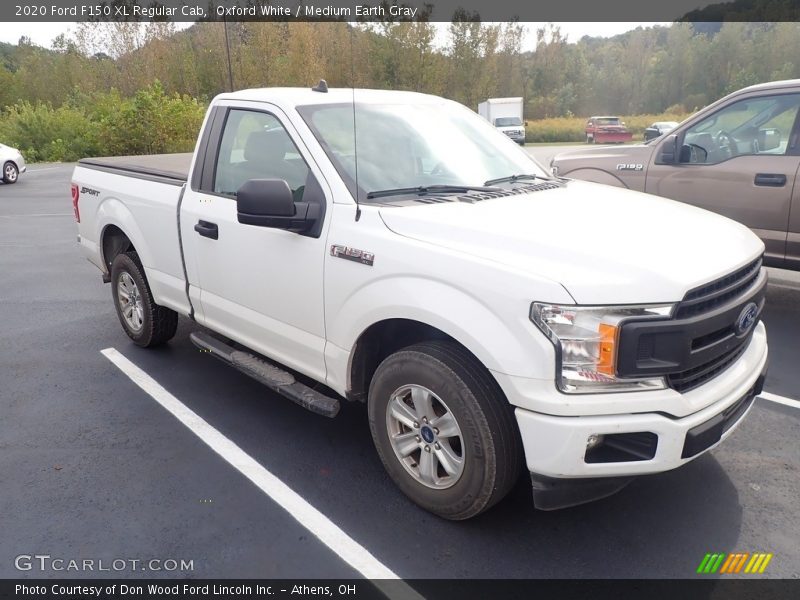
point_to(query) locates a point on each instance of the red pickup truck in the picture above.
(607, 130)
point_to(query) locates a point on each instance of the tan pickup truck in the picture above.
(738, 157)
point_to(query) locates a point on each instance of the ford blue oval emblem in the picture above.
(427, 434)
(746, 320)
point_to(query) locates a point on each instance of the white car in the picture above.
(13, 164)
(489, 314)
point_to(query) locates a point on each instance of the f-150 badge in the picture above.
(630, 167)
(359, 256)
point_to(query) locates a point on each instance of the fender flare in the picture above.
(113, 211)
(595, 175)
(516, 350)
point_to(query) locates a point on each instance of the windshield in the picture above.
(607, 121)
(507, 122)
(412, 145)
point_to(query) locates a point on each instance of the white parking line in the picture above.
(779, 399)
(309, 517)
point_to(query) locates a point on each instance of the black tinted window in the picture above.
(256, 146)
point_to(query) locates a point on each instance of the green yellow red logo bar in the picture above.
(738, 562)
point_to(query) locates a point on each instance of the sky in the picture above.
(43, 34)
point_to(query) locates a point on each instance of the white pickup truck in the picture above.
(394, 248)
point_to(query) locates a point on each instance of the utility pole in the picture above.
(228, 54)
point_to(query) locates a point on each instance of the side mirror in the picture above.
(270, 203)
(526, 123)
(768, 139)
(669, 150)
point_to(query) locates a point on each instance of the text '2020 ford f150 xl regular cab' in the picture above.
(402, 252)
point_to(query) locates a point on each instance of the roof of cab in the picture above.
(768, 85)
(307, 96)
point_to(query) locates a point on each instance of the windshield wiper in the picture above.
(432, 189)
(514, 178)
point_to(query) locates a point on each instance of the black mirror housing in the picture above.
(669, 150)
(270, 203)
(265, 197)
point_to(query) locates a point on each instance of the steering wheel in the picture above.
(725, 143)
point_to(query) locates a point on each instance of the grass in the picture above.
(571, 129)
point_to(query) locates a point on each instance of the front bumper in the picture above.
(517, 136)
(607, 137)
(20, 162)
(556, 446)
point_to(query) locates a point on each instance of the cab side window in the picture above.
(255, 145)
(748, 127)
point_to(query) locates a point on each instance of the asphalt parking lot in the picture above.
(93, 467)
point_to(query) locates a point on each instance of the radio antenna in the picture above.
(353, 88)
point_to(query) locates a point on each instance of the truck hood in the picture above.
(605, 245)
(603, 157)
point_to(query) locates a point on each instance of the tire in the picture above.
(145, 322)
(589, 139)
(485, 436)
(10, 173)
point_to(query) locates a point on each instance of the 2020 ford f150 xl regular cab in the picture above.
(739, 157)
(487, 312)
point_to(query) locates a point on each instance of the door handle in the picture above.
(770, 179)
(206, 229)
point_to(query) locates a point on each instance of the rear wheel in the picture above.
(443, 429)
(145, 322)
(10, 172)
(589, 139)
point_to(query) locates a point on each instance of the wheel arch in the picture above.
(119, 232)
(494, 327)
(384, 338)
(114, 241)
(594, 175)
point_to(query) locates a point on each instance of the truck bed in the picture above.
(163, 168)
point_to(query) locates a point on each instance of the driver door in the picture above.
(740, 162)
(259, 286)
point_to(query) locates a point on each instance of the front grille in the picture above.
(714, 294)
(704, 299)
(697, 376)
(701, 340)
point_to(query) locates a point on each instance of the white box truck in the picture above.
(506, 115)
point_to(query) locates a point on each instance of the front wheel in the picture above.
(145, 322)
(10, 172)
(443, 430)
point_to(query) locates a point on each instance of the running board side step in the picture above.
(275, 378)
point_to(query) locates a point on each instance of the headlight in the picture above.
(586, 340)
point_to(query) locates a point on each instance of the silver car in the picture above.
(13, 164)
(658, 129)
